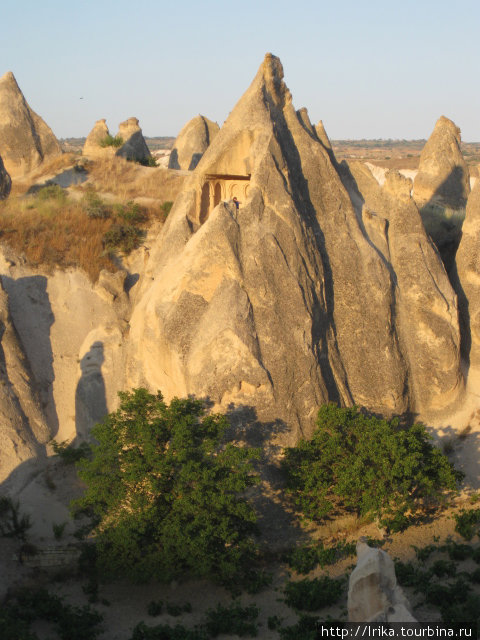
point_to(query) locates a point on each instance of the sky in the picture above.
(368, 69)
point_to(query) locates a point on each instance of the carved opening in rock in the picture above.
(218, 186)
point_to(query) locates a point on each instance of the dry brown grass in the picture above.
(55, 234)
(129, 179)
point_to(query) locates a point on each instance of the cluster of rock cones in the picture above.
(323, 286)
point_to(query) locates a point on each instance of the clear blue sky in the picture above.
(368, 69)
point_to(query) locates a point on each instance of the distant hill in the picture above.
(75, 145)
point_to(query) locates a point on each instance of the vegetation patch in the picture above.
(12, 523)
(111, 141)
(361, 463)
(467, 523)
(305, 558)
(311, 595)
(19, 612)
(165, 493)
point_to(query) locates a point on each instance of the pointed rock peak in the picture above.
(128, 127)
(272, 71)
(322, 135)
(398, 185)
(446, 124)
(443, 177)
(192, 142)
(9, 78)
(305, 120)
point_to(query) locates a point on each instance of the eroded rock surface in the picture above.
(5, 181)
(373, 592)
(133, 146)
(25, 139)
(467, 278)
(93, 144)
(192, 142)
(288, 302)
(443, 176)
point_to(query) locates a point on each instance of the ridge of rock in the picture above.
(25, 139)
(443, 176)
(192, 142)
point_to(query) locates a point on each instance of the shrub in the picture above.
(111, 141)
(310, 595)
(12, 524)
(165, 493)
(305, 558)
(233, 619)
(305, 629)
(166, 207)
(166, 632)
(58, 530)
(68, 452)
(123, 237)
(131, 213)
(94, 206)
(155, 608)
(467, 523)
(51, 192)
(361, 463)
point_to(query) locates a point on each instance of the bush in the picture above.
(68, 452)
(12, 524)
(305, 558)
(95, 206)
(361, 463)
(131, 213)
(123, 237)
(467, 523)
(233, 619)
(166, 207)
(310, 595)
(166, 493)
(111, 141)
(51, 192)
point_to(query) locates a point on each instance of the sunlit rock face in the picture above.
(25, 139)
(192, 142)
(293, 299)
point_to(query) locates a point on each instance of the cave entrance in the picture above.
(221, 186)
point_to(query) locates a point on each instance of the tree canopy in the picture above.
(165, 493)
(368, 465)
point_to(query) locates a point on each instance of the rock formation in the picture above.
(443, 177)
(293, 300)
(373, 592)
(23, 427)
(25, 140)
(468, 280)
(5, 181)
(425, 305)
(192, 142)
(93, 144)
(133, 146)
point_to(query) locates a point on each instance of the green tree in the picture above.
(165, 495)
(362, 463)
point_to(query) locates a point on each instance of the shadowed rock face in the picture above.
(192, 142)
(92, 146)
(25, 139)
(467, 278)
(443, 176)
(22, 425)
(5, 181)
(288, 302)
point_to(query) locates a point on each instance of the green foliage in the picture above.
(175, 610)
(166, 632)
(310, 595)
(124, 237)
(305, 629)
(51, 192)
(467, 523)
(165, 494)
(361, 463)
(12, 524)
(31, 605)
(58, 530)
(94, 206)
(111, 141)
(155, 608)
(131, 213)
(274, 622)
(233, 619)
(148, 162)
(69, 453)
(458, 551)
(166, 208)
(305, 558)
